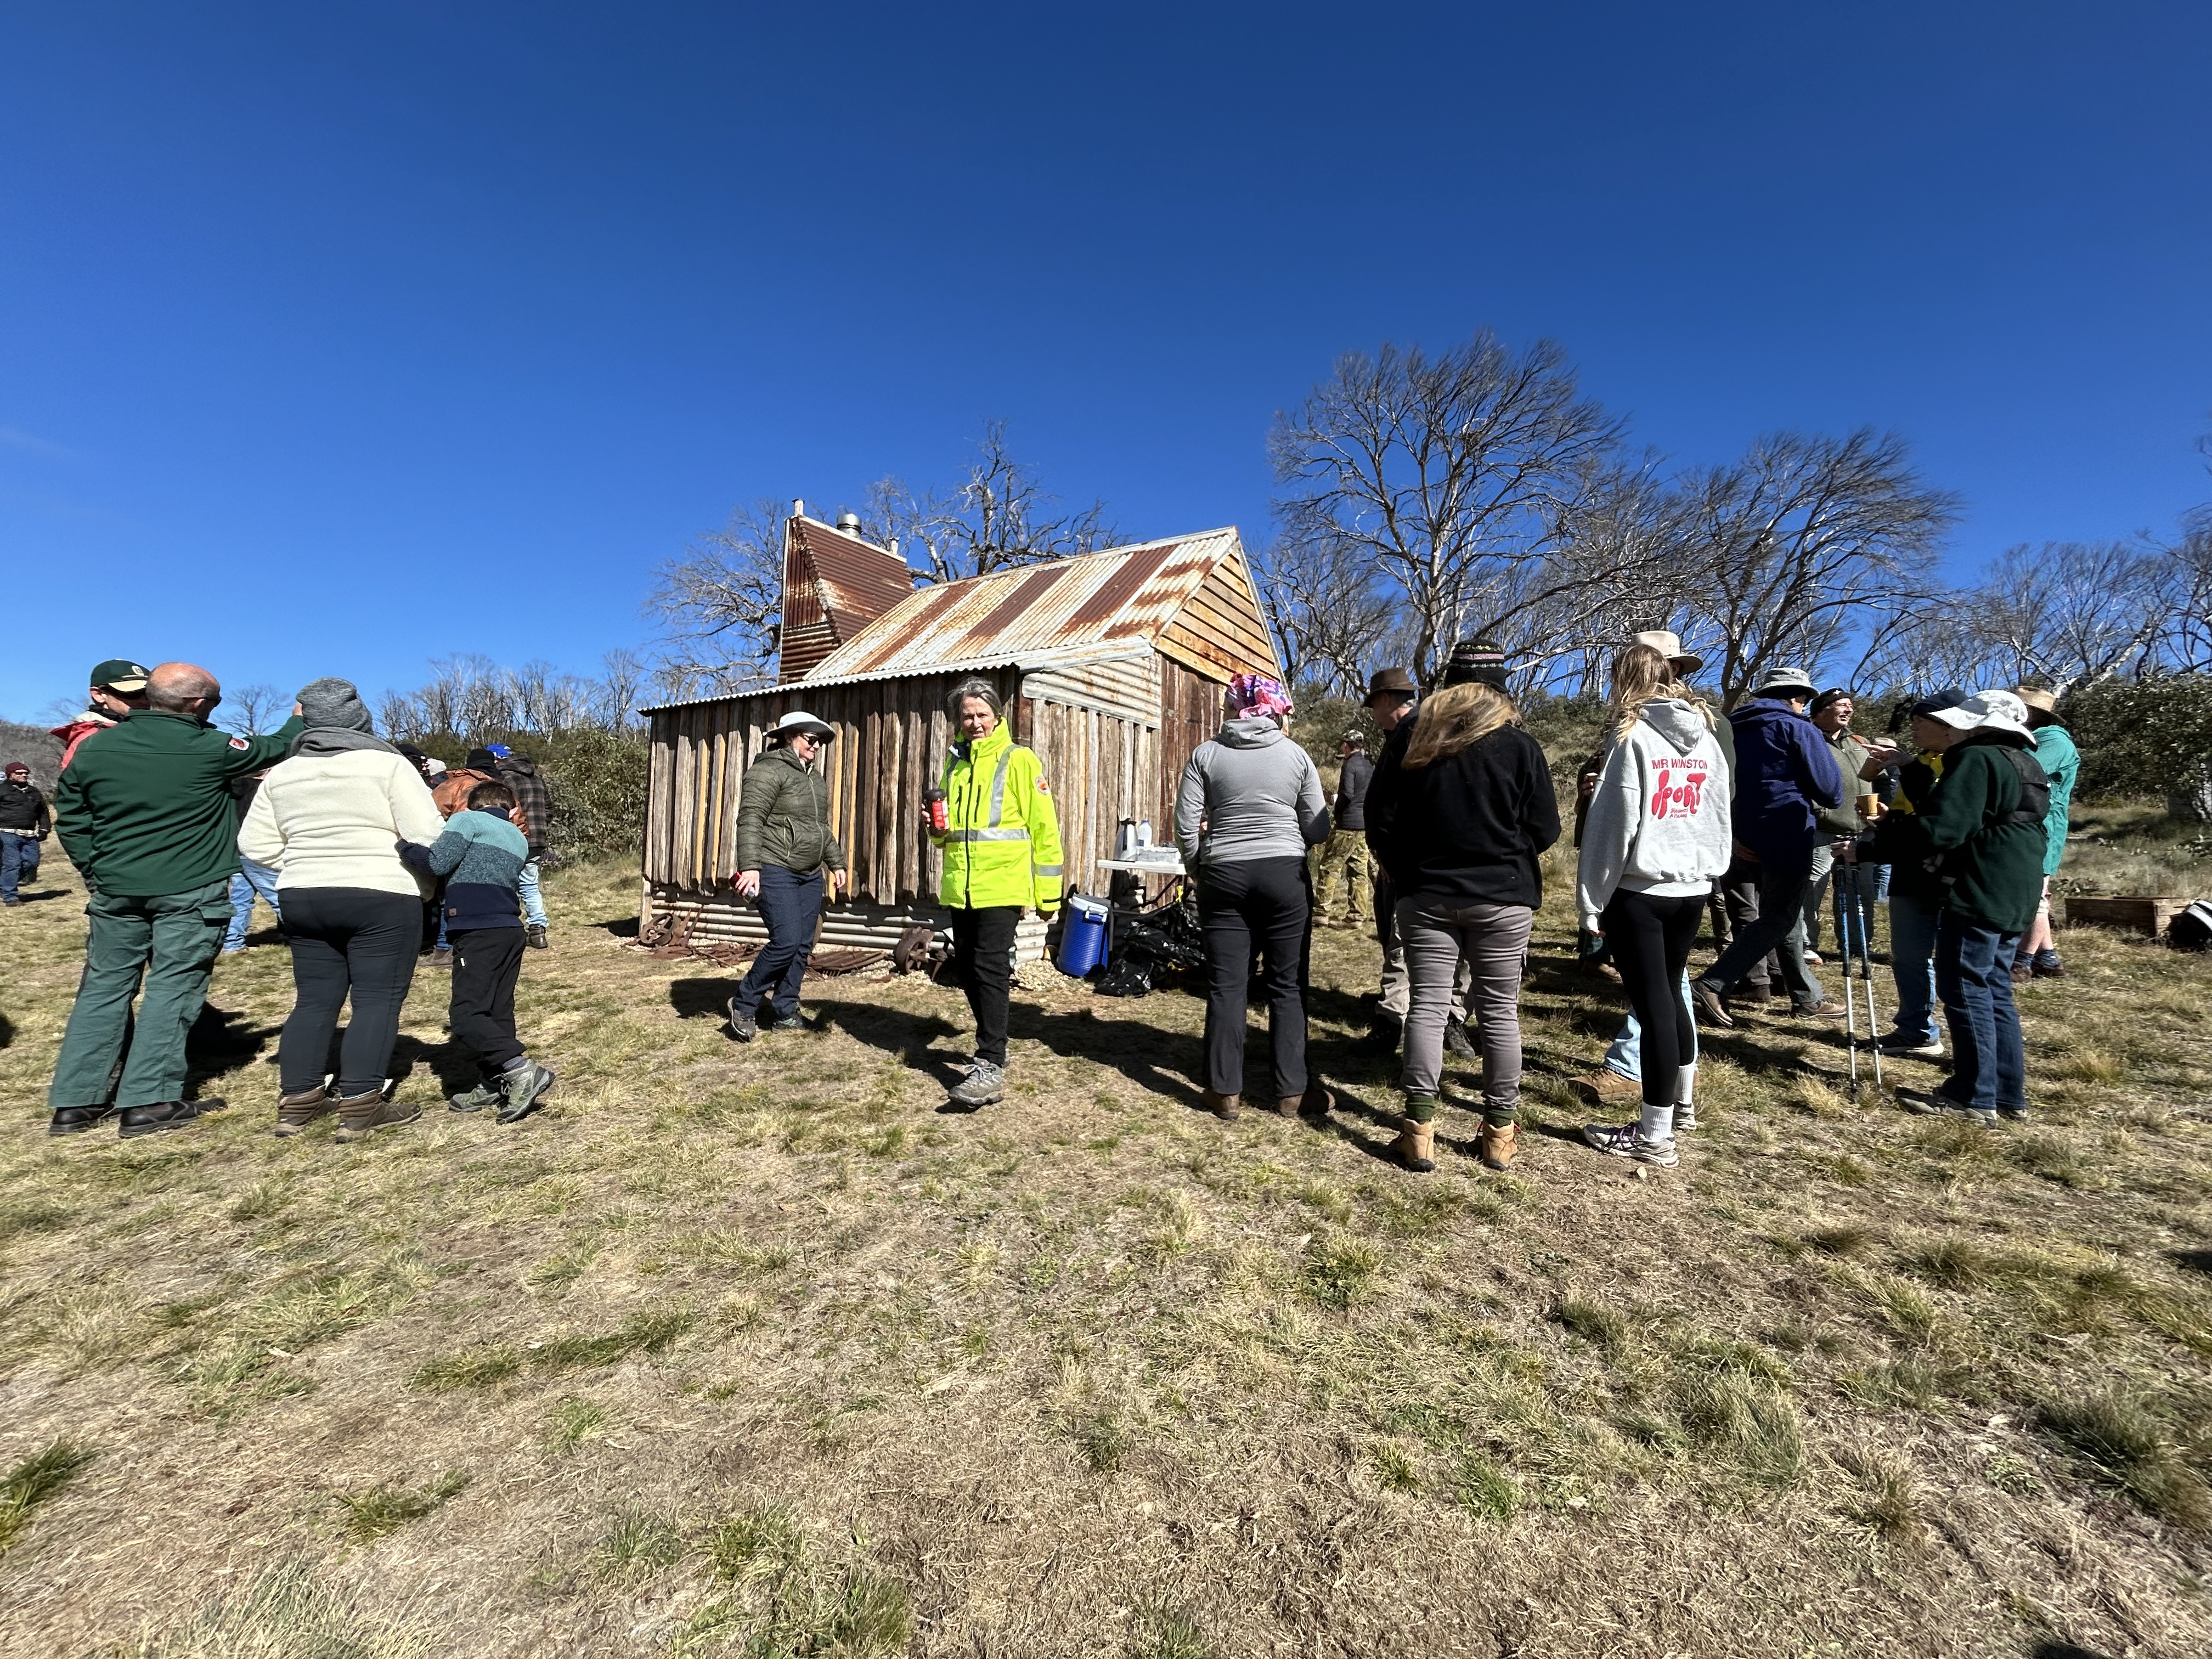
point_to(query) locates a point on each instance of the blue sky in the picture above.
(334, 338)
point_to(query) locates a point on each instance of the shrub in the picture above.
(598, 779)
(2143, 736)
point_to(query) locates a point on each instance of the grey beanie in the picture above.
(334, 702)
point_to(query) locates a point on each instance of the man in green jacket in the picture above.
(146, 815)
(1987, 819)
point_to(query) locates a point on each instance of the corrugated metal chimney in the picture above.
(850, 524)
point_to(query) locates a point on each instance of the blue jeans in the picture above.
(1973, 975)
(19, 861)
(533, 902)
(1626, 1054)
(252, 879)
(789, 903)
(1912, 963)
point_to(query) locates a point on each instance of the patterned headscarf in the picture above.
(1255, 694)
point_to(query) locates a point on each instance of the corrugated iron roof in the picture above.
(1063, 610)
(858, 580)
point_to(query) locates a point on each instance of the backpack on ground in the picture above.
(2191, 929)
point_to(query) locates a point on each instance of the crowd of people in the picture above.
(177, 826)
(374, 857)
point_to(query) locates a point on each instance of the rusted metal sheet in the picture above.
(1024, 614)
(833, 585)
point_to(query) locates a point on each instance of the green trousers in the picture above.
(170, 942)
(1343, 857)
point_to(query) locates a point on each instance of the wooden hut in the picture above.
(1112, 665)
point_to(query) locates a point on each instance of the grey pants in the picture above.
(1397, 987)
(1492, 939)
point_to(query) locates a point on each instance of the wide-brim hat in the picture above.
(1988, 711)
(800, 720)
(1669, 646)
(1390, 682)
(1787, 679)
(2043, 701)
(119, 674)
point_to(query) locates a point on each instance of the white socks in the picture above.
(1685, 1085)
(1656, 1123)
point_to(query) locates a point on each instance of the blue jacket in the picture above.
(1784, 770)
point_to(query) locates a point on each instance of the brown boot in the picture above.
(1314, 1103)
(1417, 1145)
(365, 1114)
(295, 1112)
(1225, 1107)
(1495, 1146)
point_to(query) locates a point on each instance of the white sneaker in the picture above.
(1626, 1141)
(1905, 1045)
(1685, 1117)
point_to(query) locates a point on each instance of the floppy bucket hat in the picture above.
(1988, 711)
(2035, 698)
(1792, 678)
(798, 720)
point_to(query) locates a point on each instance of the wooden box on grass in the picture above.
(2129, 915)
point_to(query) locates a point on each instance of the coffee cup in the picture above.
(1870, 807)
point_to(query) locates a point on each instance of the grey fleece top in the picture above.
(1257, 793)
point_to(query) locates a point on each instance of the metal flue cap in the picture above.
(850, 523)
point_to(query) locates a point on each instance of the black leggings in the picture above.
(1262, 908)
(1650, 939)
(983, 965)
(346, 939)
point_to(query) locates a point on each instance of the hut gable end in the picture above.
(833, 585)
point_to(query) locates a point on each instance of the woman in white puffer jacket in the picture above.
(330, 820)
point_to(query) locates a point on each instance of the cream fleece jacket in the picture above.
(336, 820)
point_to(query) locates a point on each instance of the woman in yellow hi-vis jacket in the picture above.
(1001, 844)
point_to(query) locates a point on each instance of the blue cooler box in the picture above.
(1082, 937)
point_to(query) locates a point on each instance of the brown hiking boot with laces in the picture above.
(365, 1114)
(295, 1112)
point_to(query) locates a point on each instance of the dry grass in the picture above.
(748, 1351)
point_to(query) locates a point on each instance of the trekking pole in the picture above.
(1865, 957)
(1850, 1001)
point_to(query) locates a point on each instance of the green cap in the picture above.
(119, 674)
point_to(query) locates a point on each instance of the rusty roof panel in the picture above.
(1033, 610)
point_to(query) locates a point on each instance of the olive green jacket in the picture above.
(147, 809)
(783, 815)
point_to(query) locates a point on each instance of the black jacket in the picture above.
(1469, 828)
(22, 807)
(1351, 785)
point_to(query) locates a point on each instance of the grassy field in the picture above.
(750, 1350)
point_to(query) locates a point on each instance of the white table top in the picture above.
(1145, 867)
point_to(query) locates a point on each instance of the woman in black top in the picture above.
(1458, 818)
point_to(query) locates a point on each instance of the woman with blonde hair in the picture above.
(1458, 819)
(1657, 836)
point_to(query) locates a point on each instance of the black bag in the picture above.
(2191, 930)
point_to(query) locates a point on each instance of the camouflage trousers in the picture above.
(1343, 857)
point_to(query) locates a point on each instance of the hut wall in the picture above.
(1191, 709)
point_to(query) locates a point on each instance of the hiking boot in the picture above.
(1316, 1102)
(741, 1025)
(76, 1120)
(1494, 1145)
(1227, 1108)
(1900, 1045)
(522, 1088)
(787, 1022)
(1605, 1086)
(2022, 974)
(365, 1113)
(2016, 1114)
(1926, 1102)
(2046, 965)
(1456, 1040)
(1416, 1146)
(535, 933)
(295, 1112)
(985, 1084)
(1382, 1038)
(1626, 1141)
(1708, 1004)
(135, 1121)
(486, 1093)
(1829, 1010)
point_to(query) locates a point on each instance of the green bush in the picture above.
(598, 777)
(2149, 736)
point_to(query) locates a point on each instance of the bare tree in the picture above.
(251, 710)
(620, 687)
(2070, 611)
(1809, 546)
(1332, 618)
(721, 602)
(1001, 516)
(1449, 475)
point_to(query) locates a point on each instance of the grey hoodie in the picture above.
(1258, 793)
(1659, 821)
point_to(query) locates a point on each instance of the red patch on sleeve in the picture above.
(1043, 788)
(238, 743)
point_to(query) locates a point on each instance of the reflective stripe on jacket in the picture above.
(1002, 837)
